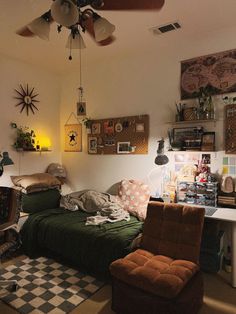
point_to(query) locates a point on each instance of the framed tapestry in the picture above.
(216, 72)
(73, 137)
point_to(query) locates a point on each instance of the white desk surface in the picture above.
(222, 213)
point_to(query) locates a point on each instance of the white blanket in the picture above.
(105, 206)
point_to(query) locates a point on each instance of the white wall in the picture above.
(145, 82)
(44, 122)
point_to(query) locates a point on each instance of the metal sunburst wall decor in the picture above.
(27, 99)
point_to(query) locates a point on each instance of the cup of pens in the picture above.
(180, 112)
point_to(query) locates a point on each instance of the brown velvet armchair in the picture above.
(162, 276)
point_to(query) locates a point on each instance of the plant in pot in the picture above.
(88, 124)
(24, 138)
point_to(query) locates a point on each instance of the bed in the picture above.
(62, 234)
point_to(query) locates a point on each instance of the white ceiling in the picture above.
(132, 30)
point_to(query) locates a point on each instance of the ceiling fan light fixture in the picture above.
(65, 12)
(75, 41)
(40, 27)
(103, 29)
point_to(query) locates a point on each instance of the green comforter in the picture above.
(64, 234)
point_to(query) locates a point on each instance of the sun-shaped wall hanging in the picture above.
(26, 97)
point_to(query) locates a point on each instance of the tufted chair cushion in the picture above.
(157, 274)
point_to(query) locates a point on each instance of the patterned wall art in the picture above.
(216, 71)
(73, 137)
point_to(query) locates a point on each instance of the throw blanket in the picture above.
(106, 206)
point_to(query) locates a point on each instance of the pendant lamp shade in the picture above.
(65, 12)
(103, 29)
(40, 27)
(75, 42)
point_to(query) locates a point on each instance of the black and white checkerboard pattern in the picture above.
(46, 286)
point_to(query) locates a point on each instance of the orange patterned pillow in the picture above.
(134, 195)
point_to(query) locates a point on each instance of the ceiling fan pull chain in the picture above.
(70, 56)
(80, 74)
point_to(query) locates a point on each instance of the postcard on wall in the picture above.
(92, 145)
(96, 128)
(108, 127)
(215, 71)
(139, 127)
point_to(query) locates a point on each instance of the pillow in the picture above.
(134, 195)
(36, 182)
(34, 202)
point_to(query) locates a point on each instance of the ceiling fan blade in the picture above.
(130, 5)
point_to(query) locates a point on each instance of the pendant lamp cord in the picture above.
(80, 72)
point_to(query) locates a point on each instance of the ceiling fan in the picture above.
(69, 14)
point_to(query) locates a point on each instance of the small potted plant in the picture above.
(88, 124)
(24, 138)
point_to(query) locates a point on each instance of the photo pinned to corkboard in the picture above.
(123, 135)
(96, 128)
(92, 145)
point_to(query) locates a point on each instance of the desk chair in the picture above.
(9, 216)
(162, 277)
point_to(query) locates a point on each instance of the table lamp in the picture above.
(5, 161)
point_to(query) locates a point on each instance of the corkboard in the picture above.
(229, 129)
(123, 135)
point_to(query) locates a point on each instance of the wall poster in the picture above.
(73, 137)
(217, 72)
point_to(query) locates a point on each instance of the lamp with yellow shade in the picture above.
(43, 143)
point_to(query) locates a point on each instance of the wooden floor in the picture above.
(220, 297)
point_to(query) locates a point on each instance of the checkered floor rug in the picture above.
(46, 286)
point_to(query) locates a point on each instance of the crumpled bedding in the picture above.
(104, 206)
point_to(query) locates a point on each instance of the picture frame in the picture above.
(188, 138)
(123, 147)
(73, 137)
(92, 145)
(208, 141)
(81, 108)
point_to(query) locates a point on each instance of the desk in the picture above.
(229, 215)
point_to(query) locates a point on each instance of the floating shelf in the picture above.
(33, 151)
(193, 121)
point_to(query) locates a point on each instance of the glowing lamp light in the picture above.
(44, 143)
